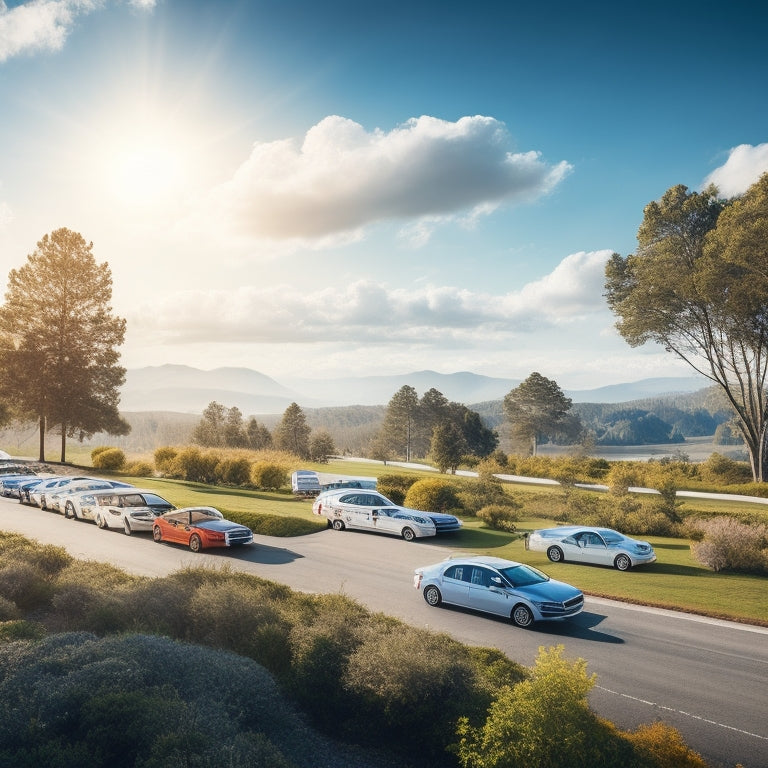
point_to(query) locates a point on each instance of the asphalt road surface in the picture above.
(707, 678)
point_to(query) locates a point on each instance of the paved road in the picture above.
(707, 678)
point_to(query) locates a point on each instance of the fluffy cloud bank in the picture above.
(745, 165)
(43, 25)
(341, 177)
(369, 312)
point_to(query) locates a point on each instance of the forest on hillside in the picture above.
(668, 419)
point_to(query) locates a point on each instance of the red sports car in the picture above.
(199, 528)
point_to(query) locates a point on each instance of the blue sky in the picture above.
(343, 188)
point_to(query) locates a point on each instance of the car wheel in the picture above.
(432, 596)
(622, 563)
(99, 520)
(157, 534)
(338, 524)
(69, 510)
(555, 554)
(42, 503)
(194, 543)
(127, 527)
(522, 616)
(408, 534)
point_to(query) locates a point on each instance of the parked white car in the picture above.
(40, 493)
(600, 546)
(368, 499)
(126, 509)
(56, 499)
(370, 511)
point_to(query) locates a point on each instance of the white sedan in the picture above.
(369, 511)
(581, 544)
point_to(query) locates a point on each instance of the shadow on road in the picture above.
(258, 553)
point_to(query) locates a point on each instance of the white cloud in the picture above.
(342, 178)
(43, 25)
(745, 165)
(368, 312)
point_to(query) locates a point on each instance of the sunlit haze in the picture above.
(329, 189)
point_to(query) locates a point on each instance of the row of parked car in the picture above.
(112, 504)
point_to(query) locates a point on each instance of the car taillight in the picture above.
(417, 581)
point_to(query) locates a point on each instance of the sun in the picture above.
(147, 172)
(145, 155)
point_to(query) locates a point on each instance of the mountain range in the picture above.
(183, 389)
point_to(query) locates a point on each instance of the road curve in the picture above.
(708, 678)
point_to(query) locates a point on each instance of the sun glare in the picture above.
(145, 156)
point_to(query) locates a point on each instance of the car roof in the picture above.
(489, 560)
(342, 491)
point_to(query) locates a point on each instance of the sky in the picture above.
(337, 188)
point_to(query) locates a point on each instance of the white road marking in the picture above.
(681, 712)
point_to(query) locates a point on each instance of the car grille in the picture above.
(242, 536)
(446, 526)
(573, 602)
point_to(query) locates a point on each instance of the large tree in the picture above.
(292, 432)
(59, 341)
(536, 408)
(400, 422)
(698, 286)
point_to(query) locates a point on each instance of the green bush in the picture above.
(432, 495)
(395, 486)
(662, 746)
(164, 458)
(235, 472)
(97, 450)
(109, 458)
(192, 464)
(269, 476)
(139, 469)
(544, 721)
(720, 470)
(24, 585)
(414, 704)
(500, 518)
(482, 492)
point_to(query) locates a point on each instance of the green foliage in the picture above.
(191, 463)
(321, 446)
(395, 487)
(234, 471)
(139, 469)
(77, 335)
(500, 518)
(662, 746)
(98, 449)
(448, 446)
(543, 721)
(112, 459)
(75, 700)
(432, 495)
(20, 630)
(267, 475)
(164, 458)
(720, 470)
(292, 432)
(484, 491)
(537, 408)
(401, 697)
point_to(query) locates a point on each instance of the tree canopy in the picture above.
(59, 341)
(537, 408)
(698, 286)
(292, 432)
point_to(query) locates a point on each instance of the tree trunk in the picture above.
(41, 422)
(63, 443)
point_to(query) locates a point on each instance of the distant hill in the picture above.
(185, 389)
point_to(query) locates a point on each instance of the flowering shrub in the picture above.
(730, 545)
